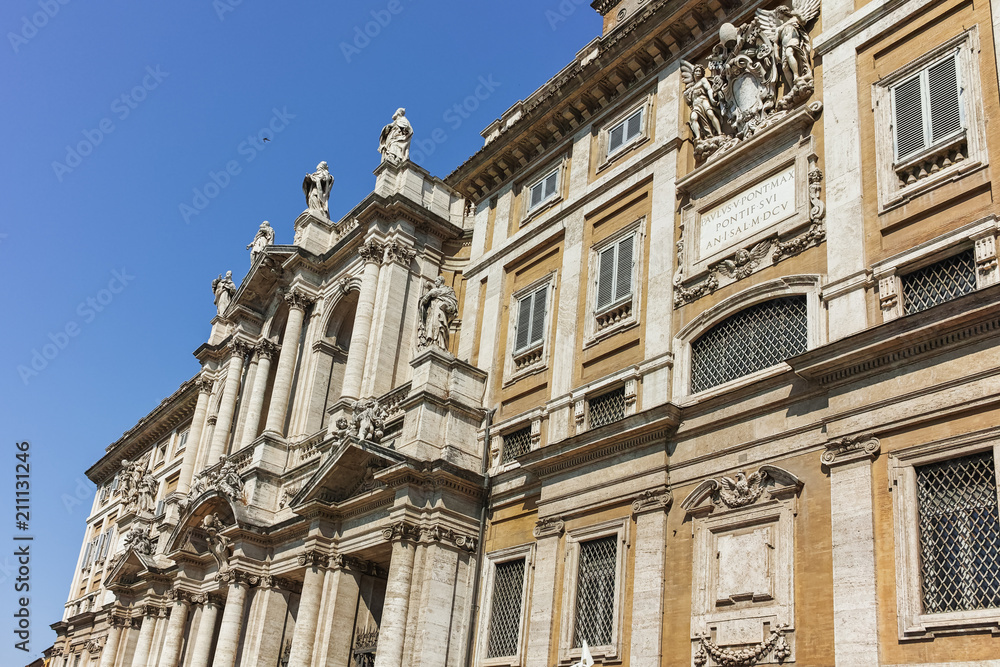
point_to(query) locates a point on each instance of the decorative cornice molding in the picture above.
(851, 449)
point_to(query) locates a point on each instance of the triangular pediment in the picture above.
(350, 470)
(128, 568)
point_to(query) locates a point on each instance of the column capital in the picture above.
(550, 526)
(237, 578)
(395, 252)
(851, 449)
(240, 347)
(441, 534)
(207, 599)
(314, 557)
(402, 531)
(653, 500)
(204, 384)
(371, 252)
(118, 619)
(296, 298)
(266, 348)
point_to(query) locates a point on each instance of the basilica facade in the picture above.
(694, 362)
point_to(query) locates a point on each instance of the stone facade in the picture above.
(724, 351)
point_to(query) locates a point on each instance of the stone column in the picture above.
(174, 639)
(547, 533)
(855, 611)
(297, 304)
(304, 637)
(265, 629)
(264, 351)
(206, 631)
(650, 509)
(440, 600)
(224, 422)
(232, 624)
(371, 252)
(392, 633)
(110, 651)
(141, 656)
(340, 606)
(394, 295)
(194, 437)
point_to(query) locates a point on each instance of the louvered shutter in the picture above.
(946, 113)
(538, 316)
(623, 286)
(536, 195)
(909, 118)
(86, 554)
(550, 184)
(523, 323)
(633, 126)
(617, 138)
(605, 277)
(114, 484)
(107, 544)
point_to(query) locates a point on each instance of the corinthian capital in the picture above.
(298, 299)
(267, 348)
(371, 252)
(399, 253)
(204, 384)
(240, 347)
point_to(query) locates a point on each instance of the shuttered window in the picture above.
(544, 189)
(927, 108)
(624, 132)
(531, 319)
(614, 273)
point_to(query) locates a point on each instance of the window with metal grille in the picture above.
(621, 134)
(516, 443)
(595, 592)
(607, 408)
(959, 534)
(505, 613)
(614, 273)
(543, 190)
(927, 108)
(531, 319)
(751, 340)
(940, 282)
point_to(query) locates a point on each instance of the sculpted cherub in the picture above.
(698, 94)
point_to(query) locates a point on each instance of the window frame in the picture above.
(623, 123)
(965, 49)
(558, 165)
(913, 622)
(541, 348)
(568, 653)
(607, 157)
(541, 183)
(593, 331)
(494, 558)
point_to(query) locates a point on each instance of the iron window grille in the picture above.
(751, 340)
(595, 593)
(515, 444)
(959, 534)
(607, 408)
(940, 282)
(505, 612)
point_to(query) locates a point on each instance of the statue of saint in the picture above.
(264, 238)
(224, 289)
(438, 307)
(394, 143)
(316, 187)
(145, 499)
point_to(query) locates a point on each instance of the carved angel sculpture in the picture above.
(786, 28)
(705, 112)
(744, 261)
(743, 490)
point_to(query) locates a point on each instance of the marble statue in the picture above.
(438, 308)
(264, 238)
(786, 28)
(224, 289)
(394, 143)
(146, 496)
(218, 543)
(140, 540)
(228, 481)
(316, 187)
(700, 97)
(369, 420)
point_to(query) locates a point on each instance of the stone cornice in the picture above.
(638, 430)
(969, 319)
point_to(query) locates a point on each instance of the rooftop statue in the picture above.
(438, 307)
(224, 289)
(316, 187)
(394, 142)
(264, 238)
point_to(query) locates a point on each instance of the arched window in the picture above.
(753, 339)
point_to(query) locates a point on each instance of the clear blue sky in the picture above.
(198, 78)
